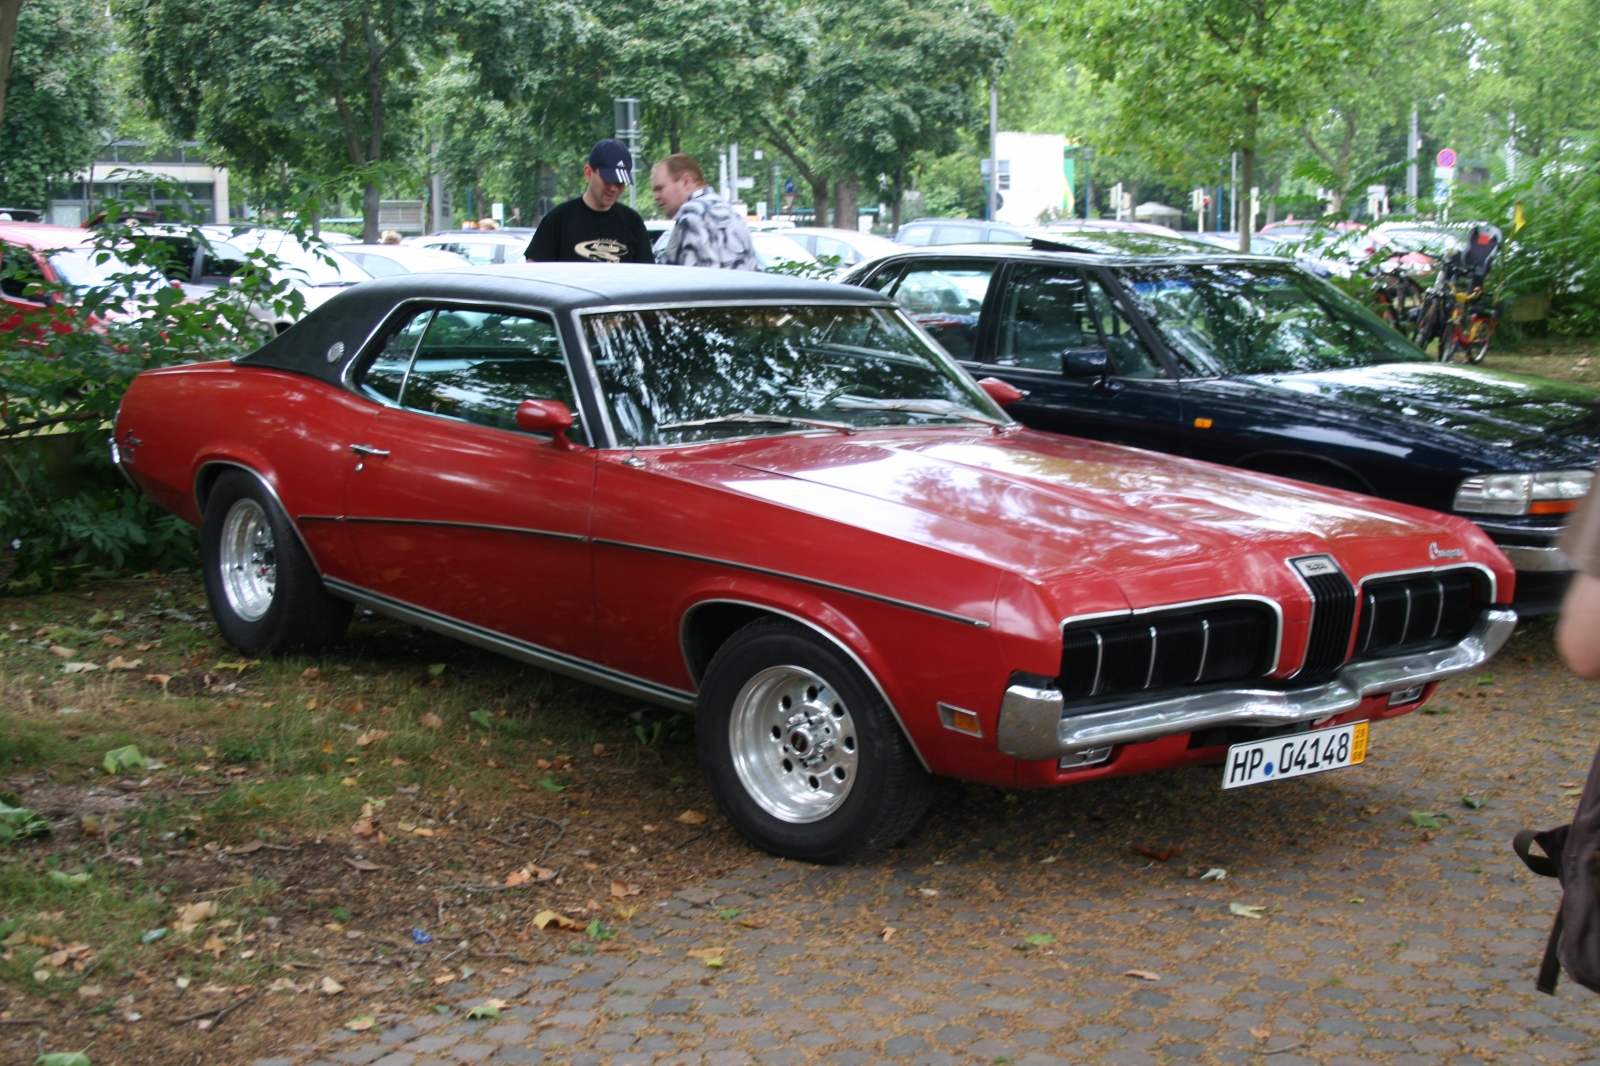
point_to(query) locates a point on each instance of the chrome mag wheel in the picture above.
(248, 560)
(794, 744)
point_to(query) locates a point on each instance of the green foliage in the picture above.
(65, 365)
(57, 104)
(119, 759)
(19, 822)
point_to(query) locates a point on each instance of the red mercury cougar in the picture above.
(779, 504)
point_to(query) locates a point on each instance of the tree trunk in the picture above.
(846, 205)
(9, 12)
(1247, 170)
(899, 195)
(819, 200)
(369, 214)
(674, 135)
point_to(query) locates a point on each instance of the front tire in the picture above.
(265, 594)
(802, 754)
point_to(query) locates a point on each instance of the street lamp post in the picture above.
(626, 111)
(1088, 181)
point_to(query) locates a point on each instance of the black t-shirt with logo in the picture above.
(574, 232)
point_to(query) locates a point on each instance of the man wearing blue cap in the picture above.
(594, 228)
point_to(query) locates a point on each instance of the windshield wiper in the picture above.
(769, 420)
(920, 407)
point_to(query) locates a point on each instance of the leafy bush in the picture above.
(64, 368)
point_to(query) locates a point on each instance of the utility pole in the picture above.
(625, 109)
(733, 176)
(1088, 181)
(1233, 195)
(994, 147)
(1413, 146)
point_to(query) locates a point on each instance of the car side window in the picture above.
(18, 270)
(959, 235)
(478, 366)
(915, 235)
(945, 299)
(385, 375)
(1127, 354)
(1046, 312)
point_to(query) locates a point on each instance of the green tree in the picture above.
(325, 87)
(57, 106)
(1207, 77)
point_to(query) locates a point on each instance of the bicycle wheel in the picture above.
(1480, 333)
(1430, 321)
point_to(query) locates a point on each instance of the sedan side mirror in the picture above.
(1084, 363)
(1001, 392)
(547, 416)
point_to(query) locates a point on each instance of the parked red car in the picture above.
(33, 253)
(778, 503)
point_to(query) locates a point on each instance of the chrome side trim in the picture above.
(1537, 560)
(441, 522)
(1134, 612)
(271, 491)
(1032, 727)
(818, 582)
(683, 644)
(1494, 587)
(522, 651)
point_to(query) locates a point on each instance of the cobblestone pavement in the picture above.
(1381, 942)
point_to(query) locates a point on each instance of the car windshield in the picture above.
(87, 268)
(1225, 319)
(314, 267)
(853, 367)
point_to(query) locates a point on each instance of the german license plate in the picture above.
(1295, 755)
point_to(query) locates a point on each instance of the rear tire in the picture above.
(803, 755)
(265, 594)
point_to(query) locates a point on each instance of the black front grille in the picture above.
(1226, 641)
(1333, 612)
(1410, 613)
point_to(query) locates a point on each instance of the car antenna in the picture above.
(633, 456)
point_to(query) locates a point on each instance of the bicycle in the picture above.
(1455, 310)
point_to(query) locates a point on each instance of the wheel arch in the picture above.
(205, 479)
(708, 624)
(1277, 462)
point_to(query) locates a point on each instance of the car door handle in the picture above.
(366, 450)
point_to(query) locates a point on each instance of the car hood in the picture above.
(1501, 420)
(1044, 506)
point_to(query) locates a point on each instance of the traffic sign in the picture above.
(1446, 157)
(788, 187)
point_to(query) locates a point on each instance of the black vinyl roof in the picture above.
(325, 341)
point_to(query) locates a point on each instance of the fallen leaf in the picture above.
(311, 704)
(1246, 911)
(114, 641)
(619, 889)
(1472, 803)
(330, 987)
(246, 848)
(191, 916)
(692, 817)
(1158, 854)
(444, 978)
(887, 934)
(1143, 975)
(424, 832)
(929, 892)
(361, 1024)
(119, 663)
(1216, 873)
(371, 736)
(487, 1009)
(282, 984)
(158, 679)
(63, 653)
(1564, 792)
(311, 673)
(1262, 1033)
(79, 668)
(517, 877)
(364, 831)
(650, 828)
(431, 720)
(349, 782)
(1425, 820)
(1370, 810)
(216, 945)
(599, 749)
(90, 991)
(545, 919)
(63, 1058)
(363, 865)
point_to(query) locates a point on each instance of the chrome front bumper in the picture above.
(1537, 560)
(1032, 727)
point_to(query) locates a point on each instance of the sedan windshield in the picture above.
(702, 373)
(1225, 319)
(86, 268)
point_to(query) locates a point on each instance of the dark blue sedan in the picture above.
(1253, 362)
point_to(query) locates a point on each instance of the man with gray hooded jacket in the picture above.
(707, 231)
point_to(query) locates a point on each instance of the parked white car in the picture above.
(383, 260)
(479, 247)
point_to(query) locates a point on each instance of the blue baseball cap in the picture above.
(614, 162)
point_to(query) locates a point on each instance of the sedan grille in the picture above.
(1227, 641)
(1410, 613)
(1333, 612)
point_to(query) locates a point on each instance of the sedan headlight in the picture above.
(1548, 492)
